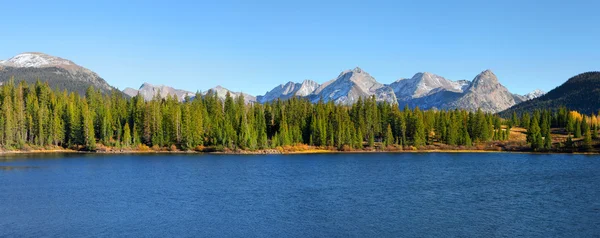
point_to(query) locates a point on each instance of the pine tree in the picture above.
(547, 140)
(419, 129)
(88, 127)
(126, 136)
(525, 120)
(534, 136)
(187, 141)
(468, 141)
(569, 142)
(514, 120)
(587, 140)
(389, 137)
(585, 127)
(8, 116)
(578, 129)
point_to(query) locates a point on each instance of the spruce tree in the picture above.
(126, 136)
(419, 136)
(534, 136)
(389, 137)
(468, 141)
(578, 129)
(547, 140)
(88, 127)
(587, 139)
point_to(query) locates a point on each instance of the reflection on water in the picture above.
(18, 167)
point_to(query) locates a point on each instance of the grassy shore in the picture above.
(310, 150)
(515, 144)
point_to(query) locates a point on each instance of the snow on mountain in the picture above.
(351, 85)
(423, 84)
(36, 60)
(307, 87)
(289, 90)
(148, 91)
(534, 94)
(58, 72)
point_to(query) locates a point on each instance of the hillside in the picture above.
(580, 93)
(58, 72)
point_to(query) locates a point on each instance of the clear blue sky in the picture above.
(252, 46)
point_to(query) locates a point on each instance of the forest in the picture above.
(36, 116)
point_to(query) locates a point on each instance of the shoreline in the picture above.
(276, 152)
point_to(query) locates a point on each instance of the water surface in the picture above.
(317, 195)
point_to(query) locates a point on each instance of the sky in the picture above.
(253, 46)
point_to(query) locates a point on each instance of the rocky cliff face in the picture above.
(289, 90)
(424, 84)
(351, 85)
(148, 91)
(485, 93)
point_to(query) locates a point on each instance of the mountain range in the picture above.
(425, 90)
(148, 91)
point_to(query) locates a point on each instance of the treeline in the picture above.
(36, 115)
(574, 124)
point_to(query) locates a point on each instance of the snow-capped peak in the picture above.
(534, 94)
(36, 60)
(423, 84)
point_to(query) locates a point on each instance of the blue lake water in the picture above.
(326, 195)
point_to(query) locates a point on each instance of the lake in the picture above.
(316, 195)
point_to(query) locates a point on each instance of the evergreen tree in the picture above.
(547, 140)
(88, 127)
(126, 136)
(569, 143)
(419, 136)
(578, 129)
(534, 136)
(514, 120)
(587, 140)
(468, 141)
(389, 137)
(525, 120)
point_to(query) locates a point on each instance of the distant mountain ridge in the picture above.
(58, 72)
(148, 91)
(424, 90)
(222, 93)
(289, 90)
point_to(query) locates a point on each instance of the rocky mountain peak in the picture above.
(485, 81)
(351, 85)
(146, 85)
(423, 84)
